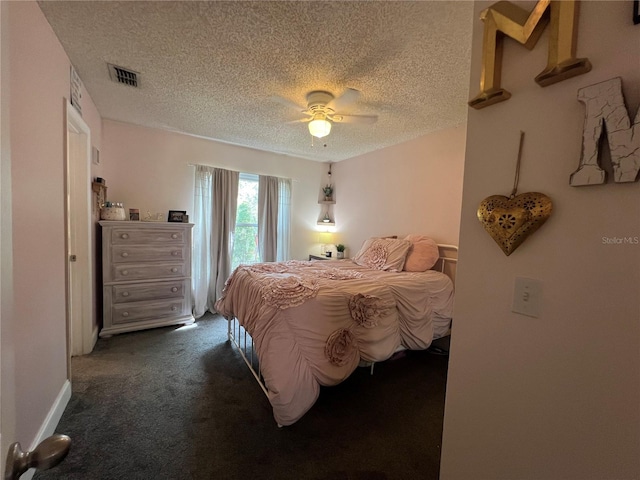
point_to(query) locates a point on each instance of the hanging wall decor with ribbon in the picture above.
(510, 220)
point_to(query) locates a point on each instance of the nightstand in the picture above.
(320, 257)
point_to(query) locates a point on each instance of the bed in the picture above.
(300, 325)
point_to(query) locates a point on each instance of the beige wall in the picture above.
(39, 83)
(556, 396)
(413, 187)
(148, 169)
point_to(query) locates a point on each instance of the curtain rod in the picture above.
(230, 169)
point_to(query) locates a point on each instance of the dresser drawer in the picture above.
(149, 291)
(140, 271)
(140, 312)
(147, 236)
(144, 253)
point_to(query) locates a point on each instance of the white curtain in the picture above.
(267, 218)
(284, 219)
(215, 204)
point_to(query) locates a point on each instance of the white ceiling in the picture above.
(211, 68)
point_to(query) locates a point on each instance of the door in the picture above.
(81, 328)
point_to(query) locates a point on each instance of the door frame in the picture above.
(82, 331)
(7, 360)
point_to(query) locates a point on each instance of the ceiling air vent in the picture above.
(122, 75)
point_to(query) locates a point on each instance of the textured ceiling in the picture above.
(211, 68)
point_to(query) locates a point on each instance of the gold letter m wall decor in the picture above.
(505, 18)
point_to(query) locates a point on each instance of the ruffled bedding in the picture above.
(313, 322)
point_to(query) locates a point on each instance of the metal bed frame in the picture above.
(238, 336)
(243, 342)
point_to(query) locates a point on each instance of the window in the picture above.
(245, 241)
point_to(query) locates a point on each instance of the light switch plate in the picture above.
(527, 297)
(95, 156)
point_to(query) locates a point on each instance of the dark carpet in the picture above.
(179, 403)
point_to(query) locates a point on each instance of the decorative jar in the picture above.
(112, 211)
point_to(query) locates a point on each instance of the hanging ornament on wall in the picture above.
(510, 220)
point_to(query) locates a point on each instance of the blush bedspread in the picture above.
(313, 322)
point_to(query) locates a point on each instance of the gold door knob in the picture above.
(49, 453)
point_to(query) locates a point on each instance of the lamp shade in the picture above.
(326, 238)
(319, 127)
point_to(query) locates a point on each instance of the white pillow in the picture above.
(383, 254)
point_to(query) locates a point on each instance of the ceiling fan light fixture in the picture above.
(319, 127)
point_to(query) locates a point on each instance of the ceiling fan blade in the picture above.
(349, 96)
(287, 103)
(364, 119)
(301, 120)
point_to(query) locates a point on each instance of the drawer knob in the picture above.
(125, 314)
(175, 253)
(174, 289)
(174, 235)
(174, 308)
(125, 294)
(124, 235)
(125, 272)
(174, 269)
(125, 254)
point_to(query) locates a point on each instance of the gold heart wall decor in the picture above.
(510, 220)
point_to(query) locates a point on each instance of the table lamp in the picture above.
(326, 239)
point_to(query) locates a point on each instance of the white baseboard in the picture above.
(94, 337)
(50, 423)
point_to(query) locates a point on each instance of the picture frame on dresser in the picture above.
(176, 216)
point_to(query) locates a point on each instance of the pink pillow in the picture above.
(422, 255)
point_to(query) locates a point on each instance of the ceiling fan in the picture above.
(323, 109)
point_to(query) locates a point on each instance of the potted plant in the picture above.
(328, 192)
(340, 248)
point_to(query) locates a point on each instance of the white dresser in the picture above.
(146, 275)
